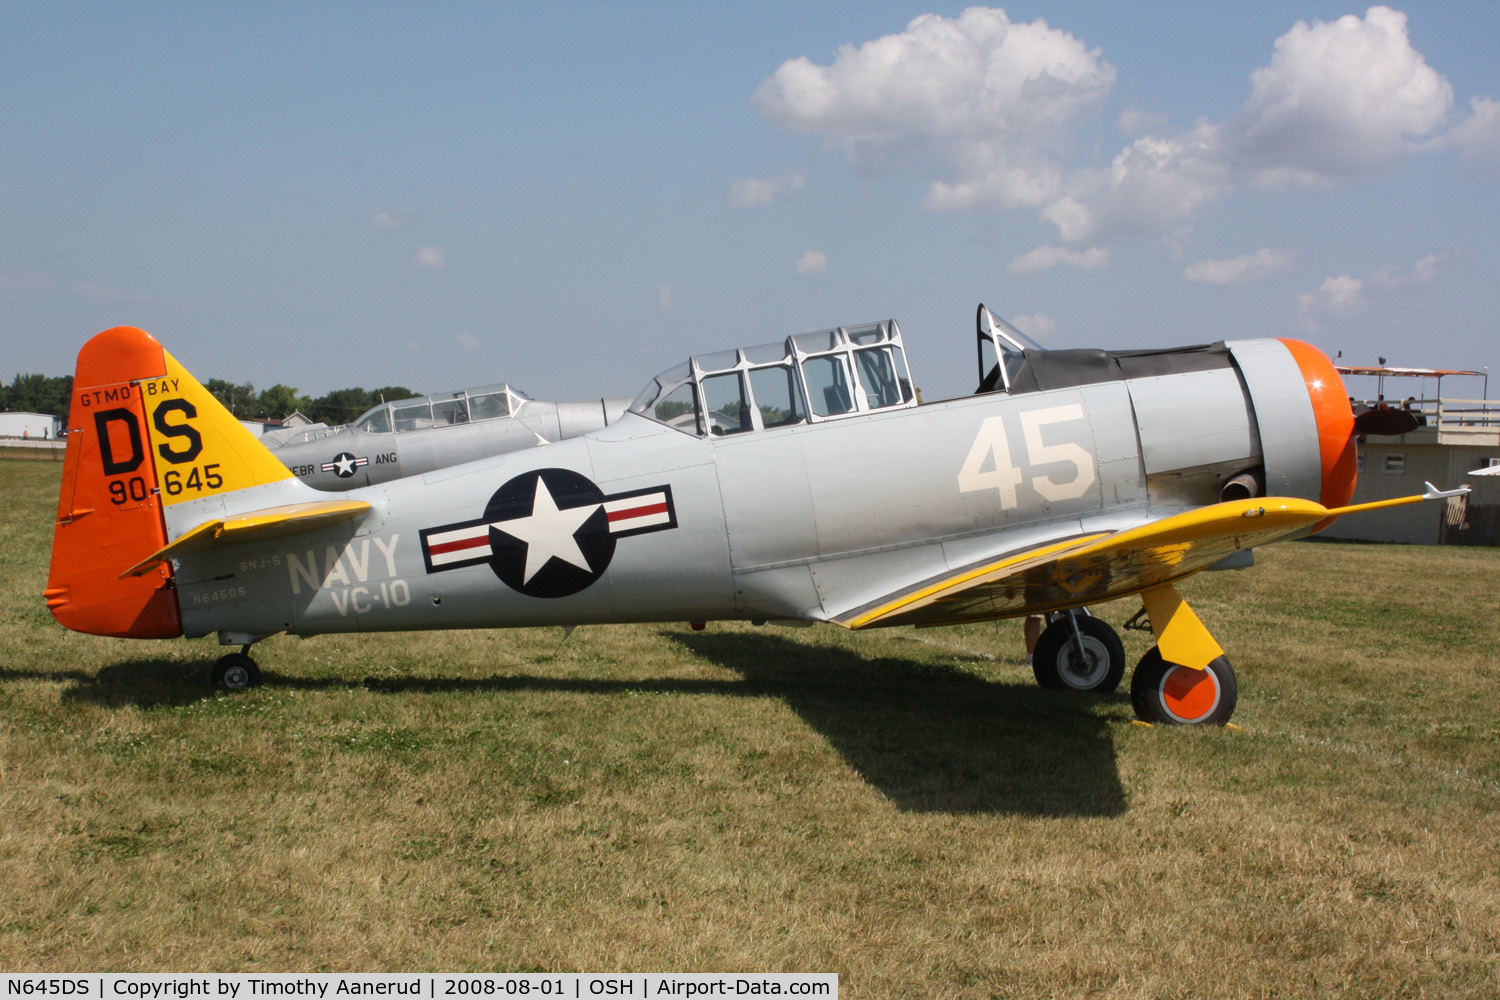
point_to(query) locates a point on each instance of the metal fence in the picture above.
(48, 450)
(1465, 523)
(1445, 411)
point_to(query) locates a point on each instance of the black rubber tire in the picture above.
(1155, 700)
(1055, 661)
(235, 672)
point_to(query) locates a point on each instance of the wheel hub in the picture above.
(1085, 671)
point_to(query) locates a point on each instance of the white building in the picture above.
(1457, 436)
(263, 427)
(28, 425)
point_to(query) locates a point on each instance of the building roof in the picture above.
(1418, 372)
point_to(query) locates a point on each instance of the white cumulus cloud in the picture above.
(993, 113)
(989, 98)
(382, 218)
(1478, 135)
(1421, 273)
(752, 192)
(1153, 186)
(430, 258)
(1338, 297)
(1424, 270)
(1338, 99)
(1343, 296)
(1045, 257)
(467, 341)
(812, 262)
(1038, 327)
(1240, 270)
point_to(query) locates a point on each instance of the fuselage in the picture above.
(643, 521)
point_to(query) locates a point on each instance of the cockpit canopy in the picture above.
(442, 409)
(807, 378)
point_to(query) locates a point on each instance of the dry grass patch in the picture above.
(903, 808)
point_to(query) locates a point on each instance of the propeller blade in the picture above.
(1386, 420)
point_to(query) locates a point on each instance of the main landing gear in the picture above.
(236, 671)
(1078, 652)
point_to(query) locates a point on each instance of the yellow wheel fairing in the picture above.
(1180, 634)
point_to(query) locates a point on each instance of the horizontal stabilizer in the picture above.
(257, 525)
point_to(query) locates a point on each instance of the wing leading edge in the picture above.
(1101, 567)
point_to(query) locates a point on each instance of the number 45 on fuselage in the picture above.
(802, 481)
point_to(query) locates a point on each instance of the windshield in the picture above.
(376, 421)
(1002, 351)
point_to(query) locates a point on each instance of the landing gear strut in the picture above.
(1078, 652)
(236, 671)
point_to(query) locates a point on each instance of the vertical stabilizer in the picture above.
(143, 435)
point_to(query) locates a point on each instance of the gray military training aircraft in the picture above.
(408, 437)
(800, 481)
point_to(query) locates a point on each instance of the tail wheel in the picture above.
(235, 672)
(1058, 665)
(1172, 694)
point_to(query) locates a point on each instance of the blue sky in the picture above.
(574, 196)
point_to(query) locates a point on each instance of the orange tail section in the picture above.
(143, 435)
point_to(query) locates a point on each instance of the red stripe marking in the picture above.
(628, 513)
(444, 548)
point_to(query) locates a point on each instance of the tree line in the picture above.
(37, 394)
(337, 407)
(33, 393)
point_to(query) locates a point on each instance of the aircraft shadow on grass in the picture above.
(11, 674)
(933, 738)
(148, 682)
(929, 738)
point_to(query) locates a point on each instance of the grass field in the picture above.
(904, 808)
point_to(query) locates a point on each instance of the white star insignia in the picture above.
(548, 532)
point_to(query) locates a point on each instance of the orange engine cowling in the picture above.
(1337, 449)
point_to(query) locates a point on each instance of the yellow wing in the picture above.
(1093, 568)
